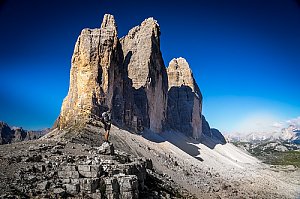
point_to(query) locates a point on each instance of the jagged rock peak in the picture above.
(94, 61)
(146, 70)
(150, 20)
(180, 74)
(153, 24)
(142, 43)
(179, 63)
(149, 26)
(184, 96)
(108, 21)
(16, 134)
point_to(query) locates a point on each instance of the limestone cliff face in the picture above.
(19, 134)
(147, 77)
(184, 99)
(128, 75)
(94, 61)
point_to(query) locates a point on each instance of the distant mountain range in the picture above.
(17, 134)
(290, 134)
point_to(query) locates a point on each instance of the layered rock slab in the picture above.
(184, 99)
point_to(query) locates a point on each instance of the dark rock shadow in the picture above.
(135, 108)
(134, 116)
(210, 136)
(179, 117)
(180, 109)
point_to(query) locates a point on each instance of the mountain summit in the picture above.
(164, 105)
(128, 76)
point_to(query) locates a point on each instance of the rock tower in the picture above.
(184, 99)
(128, 76)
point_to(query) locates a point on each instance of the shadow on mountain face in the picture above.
(181, 103)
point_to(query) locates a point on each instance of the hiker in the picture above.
(106, 120)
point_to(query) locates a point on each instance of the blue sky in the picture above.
(244, 55)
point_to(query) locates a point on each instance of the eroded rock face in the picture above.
(217, 135)
(205, 127)
(6, 133)
(184, 99)
(135, 89)
(17, 134)
(129, 76)
(94, 63)
(147, 77)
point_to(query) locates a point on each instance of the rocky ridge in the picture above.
(288, 134)
(61, 169)
(204, 168)
(17, 134)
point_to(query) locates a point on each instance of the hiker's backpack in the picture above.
(106, 117)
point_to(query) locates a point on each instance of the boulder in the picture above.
(72, 188)
(112, 188)
(129, 186)
(89, 171)
(59, 191)
(89, 185)
(43, 185)
(122, 186)
(106, 149)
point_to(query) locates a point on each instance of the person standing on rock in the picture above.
(106, 120)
